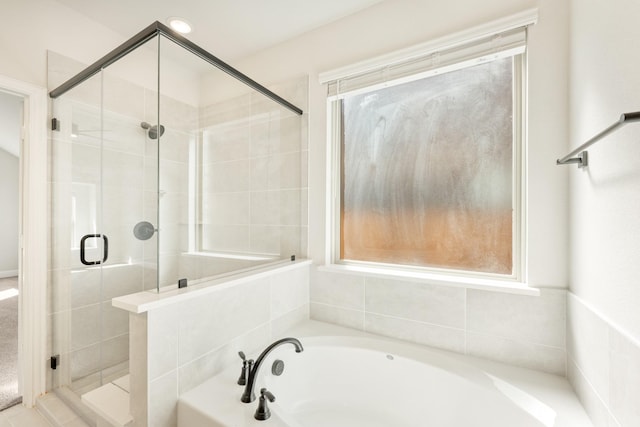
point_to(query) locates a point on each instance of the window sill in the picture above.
(494, 285)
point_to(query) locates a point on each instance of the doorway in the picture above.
(31, 275)
(11, 122)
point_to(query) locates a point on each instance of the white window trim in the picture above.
(522, 19)
(514, 283)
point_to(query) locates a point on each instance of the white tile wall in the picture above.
(518, 329)
(185, 343)
(587, 345)
(436, 305)
(593, 404)
(538, 320)
(518, 352)
(338, 315)
(254, 173)
(429, 334)
(527, 331)
(624, 386)
(604, 367)
(338, 290)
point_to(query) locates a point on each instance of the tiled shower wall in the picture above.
(521, 330)
(254, 174)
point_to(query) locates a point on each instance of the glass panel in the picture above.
(129, 195)
(427, 172)
(76, 217)
(231, 167)
(99, 163)
(130, 159)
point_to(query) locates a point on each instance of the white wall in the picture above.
(11, 107)
(605, 201)
(33, 26)
(9, 167)
(10, 128)
(604, 315)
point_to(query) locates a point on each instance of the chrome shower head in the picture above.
(154, 131)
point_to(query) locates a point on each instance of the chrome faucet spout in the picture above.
(249, 395)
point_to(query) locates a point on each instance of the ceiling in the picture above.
(229, 29)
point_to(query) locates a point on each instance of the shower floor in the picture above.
(71, 394)
(9, 394)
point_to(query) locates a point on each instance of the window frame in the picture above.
(519, 191)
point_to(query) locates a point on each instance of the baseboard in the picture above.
(8, 273)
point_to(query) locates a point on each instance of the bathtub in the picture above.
(349, 379)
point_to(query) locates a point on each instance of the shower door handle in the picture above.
(105, 249)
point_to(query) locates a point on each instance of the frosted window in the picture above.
(427, 175)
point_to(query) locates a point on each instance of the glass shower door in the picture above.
(104, 184)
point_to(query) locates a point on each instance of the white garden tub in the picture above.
(360, 381)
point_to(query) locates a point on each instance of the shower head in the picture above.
(154, 131)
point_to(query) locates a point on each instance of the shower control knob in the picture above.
(144, 230)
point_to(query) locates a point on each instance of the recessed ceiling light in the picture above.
(180, 25)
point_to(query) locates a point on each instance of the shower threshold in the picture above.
(111, 402)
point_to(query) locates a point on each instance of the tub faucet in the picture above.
(249, 395)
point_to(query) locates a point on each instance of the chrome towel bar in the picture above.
(581, 155)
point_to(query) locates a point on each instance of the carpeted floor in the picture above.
(9, 394)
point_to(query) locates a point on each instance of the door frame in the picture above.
(33, 245)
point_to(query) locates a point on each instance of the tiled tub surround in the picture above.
(184, 337)
(521, 330)
(603, 366)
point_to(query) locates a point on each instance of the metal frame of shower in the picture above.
(149, 33)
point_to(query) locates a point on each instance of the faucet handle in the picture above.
(246, 367)
(266, 393)
(263, 412)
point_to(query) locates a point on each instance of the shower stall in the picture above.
(167, 167)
